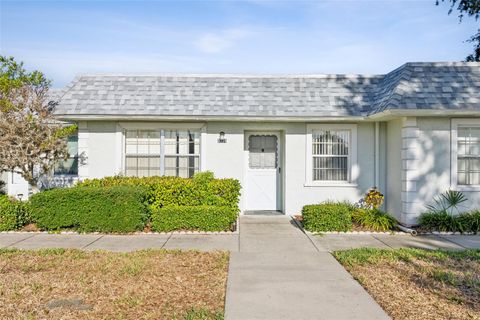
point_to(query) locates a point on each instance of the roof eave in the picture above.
(396, 113)
(92, 117)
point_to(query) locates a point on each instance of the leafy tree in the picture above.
(470, 8)
(31, 141)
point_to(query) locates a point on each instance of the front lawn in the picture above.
(73, 284)
(418, 284)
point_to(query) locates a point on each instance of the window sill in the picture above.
(330, 184)
(466, 188)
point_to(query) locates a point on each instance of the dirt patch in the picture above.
(72, 284)
(419, 284)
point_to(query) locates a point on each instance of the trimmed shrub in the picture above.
(374, 219)
(204, 218)
(14, 214)
(329, 216)
(202, 189)
(87, 209)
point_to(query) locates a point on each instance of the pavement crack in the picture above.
(168, 239)
(89, 244)
(451, 241)
(374, 237)
(17, 242)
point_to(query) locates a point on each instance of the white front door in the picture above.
(263, 168)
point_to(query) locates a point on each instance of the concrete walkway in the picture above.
(276, 270)
(280, 274)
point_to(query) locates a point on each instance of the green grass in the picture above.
(411, 284)
(364, 256)
(203, 314)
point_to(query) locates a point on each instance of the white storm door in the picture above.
(262, 172)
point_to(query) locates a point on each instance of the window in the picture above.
(69, 166)
(142, 152)
(165, 152)
(182, 153)
(468, 155)
(262, 152)
(331, 154)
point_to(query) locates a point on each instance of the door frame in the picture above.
(280, 168)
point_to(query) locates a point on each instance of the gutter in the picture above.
(210, 118)
(381, 116)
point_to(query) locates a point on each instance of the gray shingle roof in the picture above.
(412, 86)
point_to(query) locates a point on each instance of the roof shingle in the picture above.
(412, 86)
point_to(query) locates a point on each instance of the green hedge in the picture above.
(203, 189)
(204, 218)
(88, 209)
(14, 214)
(330, 216)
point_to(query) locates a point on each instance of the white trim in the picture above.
(161, 125)
(203, 149)
(119, 150)
(455, 123)
(352, 155)
(199, 118)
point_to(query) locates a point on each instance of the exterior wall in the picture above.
(229, 160)
(393, 168)
(99, 149)
(101, 154)
(435, 169)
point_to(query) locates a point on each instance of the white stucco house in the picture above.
(290, 140)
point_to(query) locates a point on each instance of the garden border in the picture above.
(235, 232)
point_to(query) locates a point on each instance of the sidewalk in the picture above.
(276, 271)
(119, 243)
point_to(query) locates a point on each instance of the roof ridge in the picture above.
(230, 75)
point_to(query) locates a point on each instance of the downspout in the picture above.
(377, 155)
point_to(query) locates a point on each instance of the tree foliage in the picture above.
(31, 141)
(469, 8)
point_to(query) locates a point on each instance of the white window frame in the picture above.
(455, 123)
(352, 167)
(160, 127)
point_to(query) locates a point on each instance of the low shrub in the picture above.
(446, 222)
(329, 216)
(374, 219)
(14, 214)
(438, 221)
(202, 189)
(202, 218)
(470, 221)
(87, 209)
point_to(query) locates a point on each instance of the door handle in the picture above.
(279, 170)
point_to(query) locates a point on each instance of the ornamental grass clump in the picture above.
(446, 214)
(374, 219)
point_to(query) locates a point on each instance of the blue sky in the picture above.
(64, 38)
